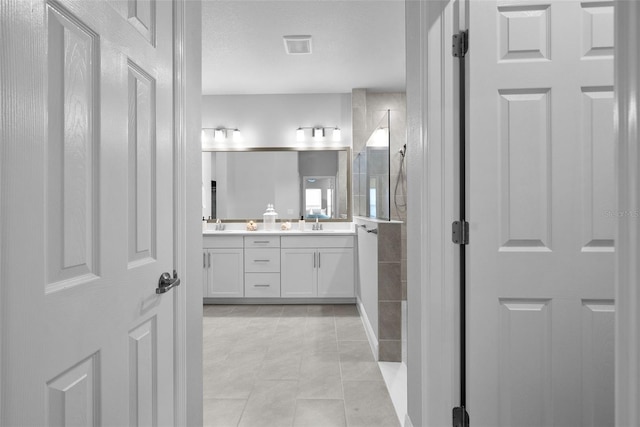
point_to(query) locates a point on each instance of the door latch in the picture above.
(166, 282)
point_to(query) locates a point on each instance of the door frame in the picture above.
(187, 100)
(627, 117)
(432, 370)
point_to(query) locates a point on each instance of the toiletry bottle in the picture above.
(301, 224)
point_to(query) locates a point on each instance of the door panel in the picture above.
(541, 200)
(87, 212)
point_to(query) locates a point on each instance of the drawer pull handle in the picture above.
(260, 241)
(261, 285)
(261, 260)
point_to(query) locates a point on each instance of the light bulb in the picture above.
(318, 134)
(337, 135)
(237, 136)
(203, 137)
(300, 135)
(218, 135)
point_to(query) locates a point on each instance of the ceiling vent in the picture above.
(297, 45)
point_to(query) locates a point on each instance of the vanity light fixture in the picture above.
(337, 135)
(300, 135)
(318, 133)
(220, 134)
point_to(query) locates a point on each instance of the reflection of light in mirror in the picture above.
(218, 135)
(300, 135)
(379, 139)
(337, 135)
(203, 137)
(237, 136)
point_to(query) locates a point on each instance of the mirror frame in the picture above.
(289, 149)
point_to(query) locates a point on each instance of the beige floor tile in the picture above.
(357, 362)
(271, 404)
(319, 413)
(350, 329)
(368, 404)
(294, 310)
(346, 310)
(280, 366)
(288, 365)
(320, 310)
(223, 412)
(320, 377)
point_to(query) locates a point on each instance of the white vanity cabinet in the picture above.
(223, 267)
(262, 266)
(317, 266)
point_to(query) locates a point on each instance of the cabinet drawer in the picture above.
(262, 285)
(317, 241)
(261, 241)
(262, 260)
(222, 242)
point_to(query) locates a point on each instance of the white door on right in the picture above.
(540, 206)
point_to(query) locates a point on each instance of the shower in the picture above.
(401, 182)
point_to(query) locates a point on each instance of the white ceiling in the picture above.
(356, 44)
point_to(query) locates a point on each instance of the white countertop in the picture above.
(350, 231)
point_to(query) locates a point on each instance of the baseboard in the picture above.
(373, 340)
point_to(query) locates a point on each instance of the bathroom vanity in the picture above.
(284, 266)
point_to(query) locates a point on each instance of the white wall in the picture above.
(257, 178)
(272, 120)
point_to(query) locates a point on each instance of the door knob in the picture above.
(166, 282)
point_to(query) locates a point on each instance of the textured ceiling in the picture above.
(356, 44)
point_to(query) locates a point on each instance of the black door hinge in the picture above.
(460, 44)
(460, 417)
(460, 232)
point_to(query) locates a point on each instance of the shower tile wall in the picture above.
(367, 110)
(389, 293)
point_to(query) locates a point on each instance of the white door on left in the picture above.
(86, 212)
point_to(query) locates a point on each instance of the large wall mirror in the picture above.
(237, 185)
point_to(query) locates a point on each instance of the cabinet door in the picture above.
(226, 273)
(335, 272)
(298, 274)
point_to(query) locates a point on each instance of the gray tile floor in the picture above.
(290, 366)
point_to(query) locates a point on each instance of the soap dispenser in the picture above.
(269, 218)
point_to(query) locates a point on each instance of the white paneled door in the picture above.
(86, 213)
(541, 212)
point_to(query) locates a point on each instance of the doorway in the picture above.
(270, 95)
